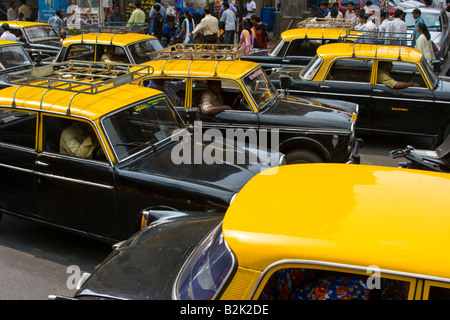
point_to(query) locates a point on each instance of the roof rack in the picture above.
(325, 23)
(380, 38)
(202, 52)
(115, 27)
(77, 76)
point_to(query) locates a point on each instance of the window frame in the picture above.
(334, 267)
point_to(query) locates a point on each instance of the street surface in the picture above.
(34, 259)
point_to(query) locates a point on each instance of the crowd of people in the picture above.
(379, 27)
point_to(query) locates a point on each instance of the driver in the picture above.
(78, 140)
(212, 101)
(110, 55)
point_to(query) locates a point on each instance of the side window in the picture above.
(434, 290)
(18, 128)
(314, 284)
(70, 137)
(218, 93)
(351, 70)
(82, 52)
(407, 72)
(175, 89)
(303, 47)
(111, 54)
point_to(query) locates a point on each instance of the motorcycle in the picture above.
(433, 160)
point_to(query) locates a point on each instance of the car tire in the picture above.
(302, 156)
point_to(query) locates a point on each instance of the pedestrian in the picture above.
(417, 15)
(25, 10)
(12, 11)
(260, 30)
(7, 35)
(137, 17)
(247, 35)
(222, 9)
(162, 12)
(73, 16)
(250, 8)
(349, 14)
(384, 27)
(158, 22)
(208, 28)
(324, 8)
(398, 28)
(423, 42)
(229, 20)
(187, 26)
(56, 22)
(114, 17)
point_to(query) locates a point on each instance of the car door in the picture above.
(17, 161)
(349, 80)
(74, 191)
(408, 110)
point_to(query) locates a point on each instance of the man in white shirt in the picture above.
(349, 14)
(398, 28)
(12, 12)
(251, 9)
(73, 15)
(6, 35)
(384, 26)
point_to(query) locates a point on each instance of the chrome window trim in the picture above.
(368, 270)
(74, 180)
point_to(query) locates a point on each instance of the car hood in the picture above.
(257, 53)
(56, 44)
(146, 265)
(225, 175)
(302, 112)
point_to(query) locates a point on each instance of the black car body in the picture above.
(297, 47)
(127, 166)
(305, 130)
(12, 58)
(349, 72)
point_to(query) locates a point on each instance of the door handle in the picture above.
(325, 87)
(377, 90)
(40, 163)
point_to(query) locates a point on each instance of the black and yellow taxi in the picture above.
(128, 48)
(39, 39)
(12, 58)
(305, 130)
(413, 102)
(315, 232)
(84, 151)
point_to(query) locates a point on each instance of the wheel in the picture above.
(302, 156)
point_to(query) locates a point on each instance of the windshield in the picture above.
(39, 33)
(432, 20)
(13, 56)
(206, 270)
(259, 87)
(311, 68)
(140, 51)
(137, 128)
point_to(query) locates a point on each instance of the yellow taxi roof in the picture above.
(7, 42)
(120, 39)
(360, 215)
(24, 24)
(91, 106)
(328, 33)
(203, 68)
(333, 50)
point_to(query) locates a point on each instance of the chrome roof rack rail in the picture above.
(202, 52)
(79, 76)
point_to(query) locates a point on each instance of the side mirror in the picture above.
(286, 82)
(192, 115)
(436, 65)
